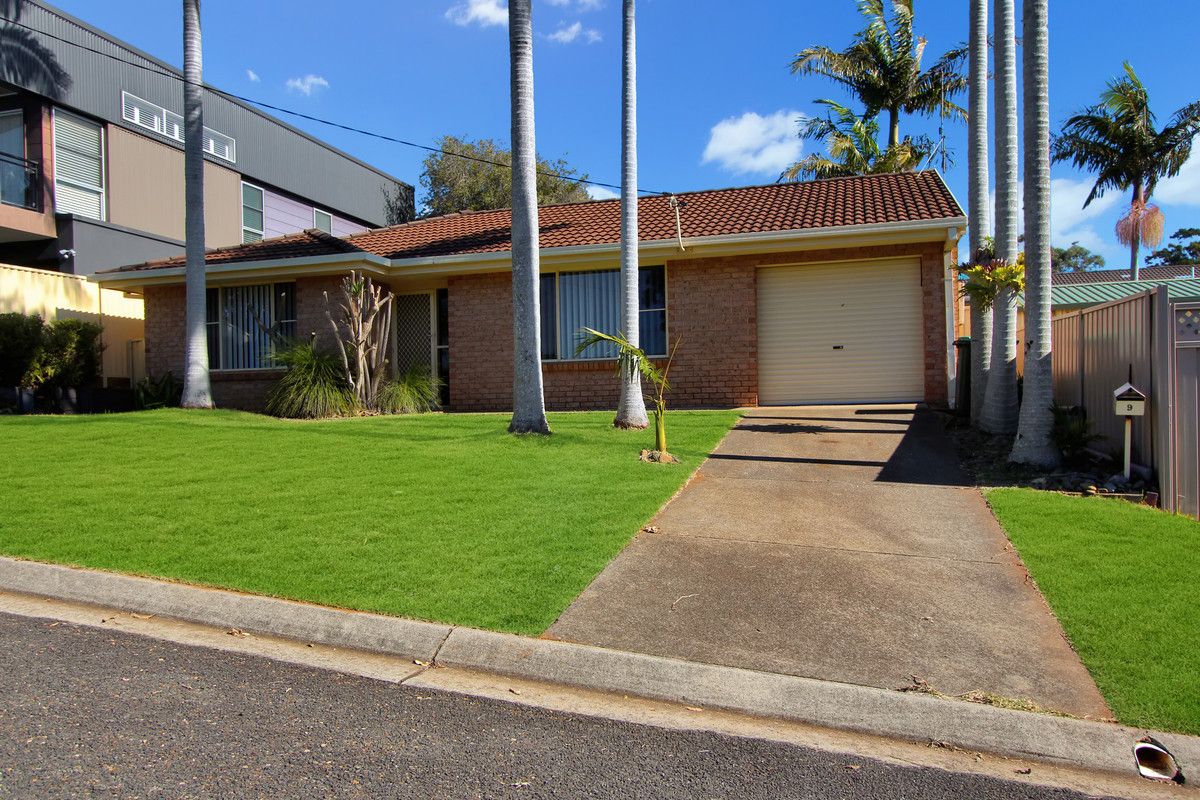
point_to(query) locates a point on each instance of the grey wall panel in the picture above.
(268, 150)
(102, 245)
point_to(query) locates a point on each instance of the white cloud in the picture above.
(1184, 188)
(307, 85)
(567, 33)
(601, 193)
(1070, 221)
(753, 143)
(570, 33)
(252, 75)
(484, 12)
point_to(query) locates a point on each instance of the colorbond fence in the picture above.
(1097, 349)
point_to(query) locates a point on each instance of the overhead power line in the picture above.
(331, 123)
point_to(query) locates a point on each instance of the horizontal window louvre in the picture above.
(143, 113)
(219, 144)
(70, 199)
(174, 127)
(154, 117)
(78, 166)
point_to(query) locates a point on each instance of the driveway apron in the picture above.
(840, 543)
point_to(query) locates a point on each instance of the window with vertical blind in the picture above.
(78, 165)
(252, 213)
(244, 322)
(574, 300)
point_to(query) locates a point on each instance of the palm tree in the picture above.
(631, 408)
(999, 414)
(977, 197)
(1118, 140)
(529, 402)
(197, 393)
(882, 68)
(852, 144)
(1033, 444)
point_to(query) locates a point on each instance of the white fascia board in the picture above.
(944, 230)
(311, 265)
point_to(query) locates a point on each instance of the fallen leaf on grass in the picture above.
(693, 708)
(237, 632)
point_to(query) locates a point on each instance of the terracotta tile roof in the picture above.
(865, 200)
(311, 242)
(775, 207)
(1122, 275)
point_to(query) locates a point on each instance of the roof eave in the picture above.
(334, 263)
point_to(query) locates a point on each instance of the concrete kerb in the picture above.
(1091, 745)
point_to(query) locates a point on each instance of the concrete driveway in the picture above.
(840, 543)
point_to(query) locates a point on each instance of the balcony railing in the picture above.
(20, 182)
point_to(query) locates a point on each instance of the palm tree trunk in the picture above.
(977, 201)
(999, 413)
(893, 127)
(197, 392)
(631, 407)
(1033, 444)
(529, 402)
(1135, 244)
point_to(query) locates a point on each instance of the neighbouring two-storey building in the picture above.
(91, 167)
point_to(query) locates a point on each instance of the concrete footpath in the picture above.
(844, 544)
(913, 717)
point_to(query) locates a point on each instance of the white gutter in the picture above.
(320, 265)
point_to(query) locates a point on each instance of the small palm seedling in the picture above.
(634, 360)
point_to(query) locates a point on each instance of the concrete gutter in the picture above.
(1018, 734)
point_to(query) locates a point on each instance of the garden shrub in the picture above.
(313, 387)
(69, 355)
(20, 342)
(161, 392)
(414, 392)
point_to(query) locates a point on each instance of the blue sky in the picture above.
(717, 104)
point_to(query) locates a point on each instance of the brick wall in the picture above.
(165, 318)
(243, 389)
(710, 308)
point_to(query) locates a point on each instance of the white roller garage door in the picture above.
(840, 333)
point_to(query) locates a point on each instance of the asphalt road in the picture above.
(89, 712)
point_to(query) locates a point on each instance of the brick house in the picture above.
(820, 292)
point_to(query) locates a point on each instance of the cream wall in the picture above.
(56, 295)
(145, 190)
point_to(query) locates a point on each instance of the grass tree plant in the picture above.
(362, 328)
(632, 359)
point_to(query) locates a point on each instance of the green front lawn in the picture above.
(440, 517)
(1124, 581)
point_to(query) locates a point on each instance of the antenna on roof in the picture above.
(675, 203)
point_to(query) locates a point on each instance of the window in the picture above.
(243, 323)
(252, 213)
(78, 165)
(220, 145)
(322, 220)
(574, 300)
(155, 118)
